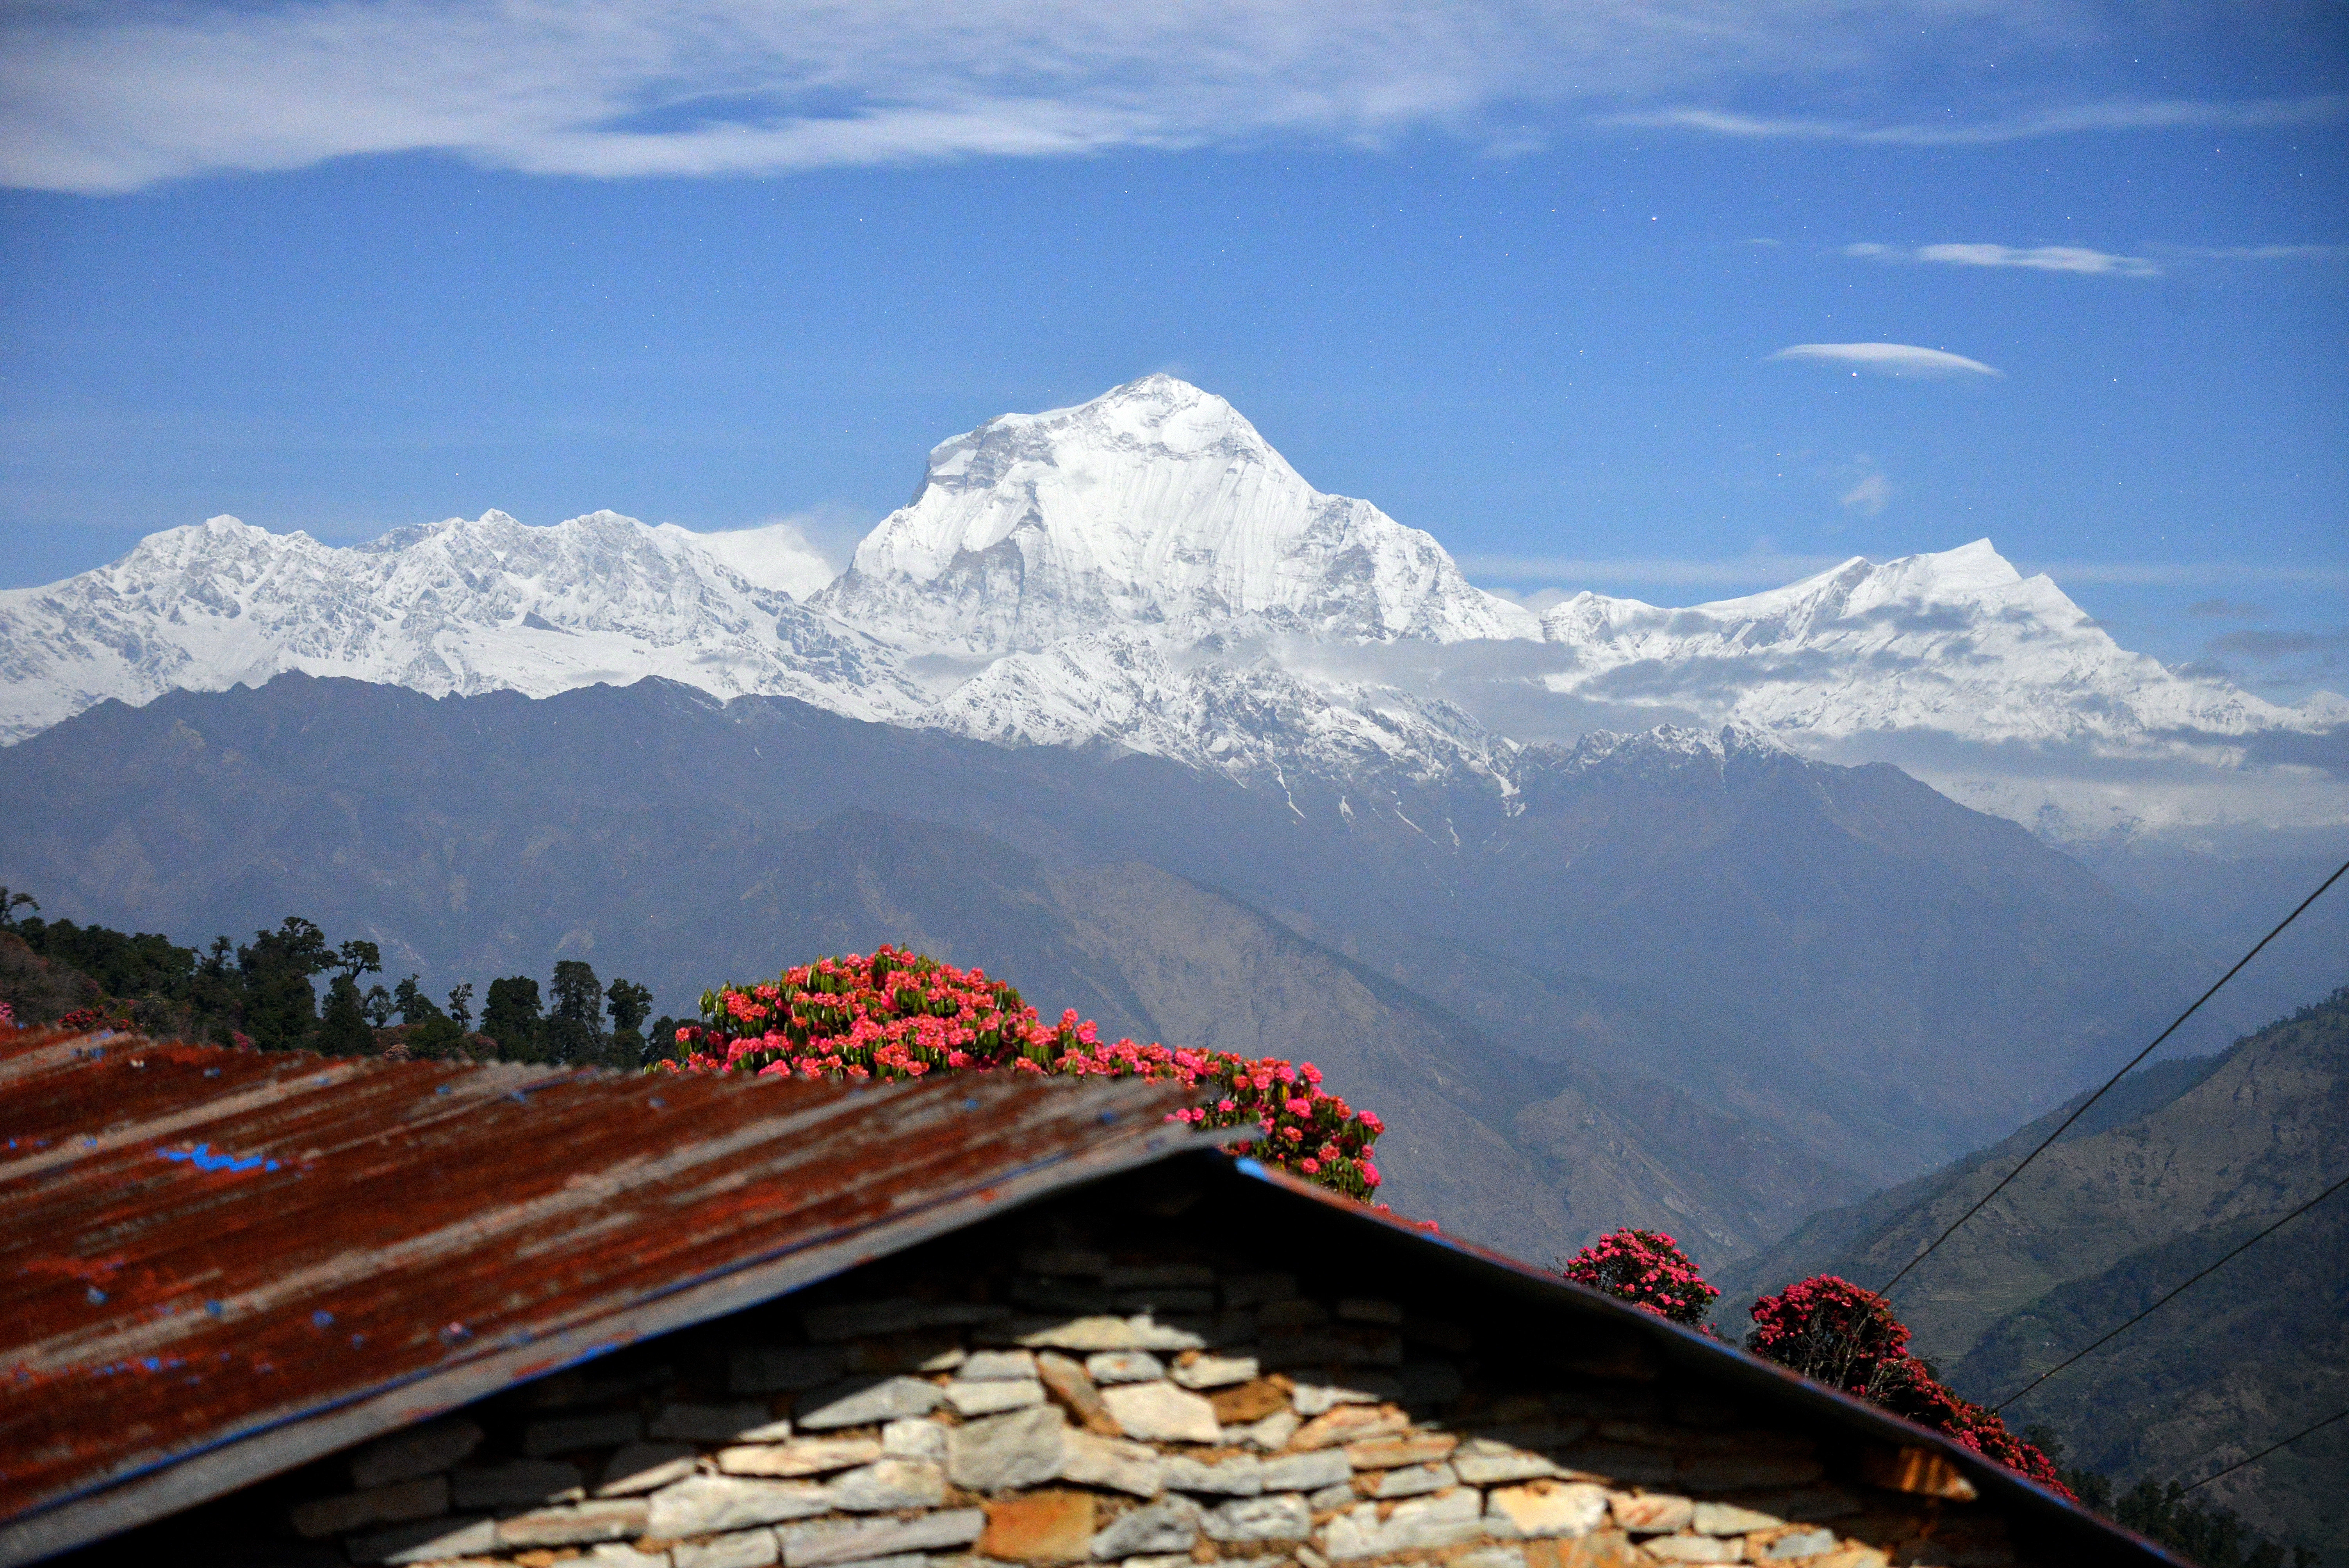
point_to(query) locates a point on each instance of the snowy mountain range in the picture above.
(1142, 571)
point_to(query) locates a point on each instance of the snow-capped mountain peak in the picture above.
(1155, 505)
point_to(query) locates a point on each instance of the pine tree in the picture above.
(511, 1018)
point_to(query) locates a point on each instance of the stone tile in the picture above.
(858, 1402)
(1426, 1523)
(1306, 1472)
(644, 1466)
(861, 1319)
(1412, 1481)
(1162, 1560)
(430, 1541)
(1215, 1371)
(862, 1540)
(1067, 1382)
(1124, 1367)
(910, 1560)
(786, 1369)
(799, 1457)
(1255, 1289)
(1113, 1463)
(1171, 1525)
(1169, 1276)
(576, 1523)
(1391, 1453)
(1694, 1549)
(912, 1438)
(742, 1420)
(1070, 1261)
(563, 1434)
(1102, 1332)
(707, 1504)
(1491, 1557)
(1160, 1412)
(1369, 1309)
(514, 1483)
(1799, 1544)
(1251, 1401)
(1271, 1434)
(1734, 1472)
(1285, 1517)
(1341, 1495)
(1041, 1527)
(420, 1498)
(992, 1399)
(1349, 1424)
(999, 1366)
(1363, 1389)
(418, 1452)
(1599, 1549)
(1227, 1478)
(1728, 1519)
(931, 1352)
(1546, 1508)
(1851, 1556)
(738, 1548)
(620, 1554)
(1652, 1512)
(889, 1484)
(1481, 1461)
(1022, 1448)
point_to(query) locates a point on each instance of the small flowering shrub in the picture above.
(898, 1014)
(1837, 1333)
(7, 1015)
(1648, 1269)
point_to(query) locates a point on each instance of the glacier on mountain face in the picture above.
(1144, 573)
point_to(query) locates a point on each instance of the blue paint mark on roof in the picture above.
(203, 1157)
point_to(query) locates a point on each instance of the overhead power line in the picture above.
(2271, 1448)
(2172, 1295)
(2116, 1078)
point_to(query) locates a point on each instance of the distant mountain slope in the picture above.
(1852, 963)
(2195, 1158)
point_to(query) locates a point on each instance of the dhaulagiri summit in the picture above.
(1142, 571)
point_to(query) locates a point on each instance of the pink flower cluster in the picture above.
(1648, 1269)
(898, 1014)
(1844, 1336)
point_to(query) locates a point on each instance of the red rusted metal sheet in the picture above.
(206, 1250)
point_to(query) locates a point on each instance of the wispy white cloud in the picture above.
(1868, 496)
(2039, 258)
(1889, 358)
(2144, 114)
(100, 96)
(2256, 253)
(2189, 574)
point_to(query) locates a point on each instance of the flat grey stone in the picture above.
(1481, 1461)
(429, 1541)
(1283, 1518)
(858, 1541)
(1113, 1463)
(999, 1366)
(912, 1438)
(799, 1457)
(789, 1369)
(1410, 1481)
(740, 1549)
(1341, 1495)
(561, 1434)
(575, 1523)
(1160, 1412)
(620, 1554)
(646, 1467)
(1319, 1398)
(1230, 1478)
(1216, 1371)
(1308, 1472)
(1124, 1367)
(743, 1421)
(419, 1452)
(1490, 1557)
(1422, 1524)
(1729, 1518)
(1169, 1526)
(513, 1483)
(707, 1504)
(1800, 1544)
(994, 1398)
(863, 1402)
(1022, 1448)
(1546, 1507)
(1272, 1433)
(422, 1496)
(888, 1485)
(1694, 1549)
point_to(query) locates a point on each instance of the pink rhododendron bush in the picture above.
(898, 1014)
(1648, 1269)
(1837, 1333)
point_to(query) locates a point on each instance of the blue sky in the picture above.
(1515, 274)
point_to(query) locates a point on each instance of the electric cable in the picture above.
(2172, 1295)
(2116, 1078)
(2271, 1448)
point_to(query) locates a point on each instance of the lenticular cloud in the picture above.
(1890, 358)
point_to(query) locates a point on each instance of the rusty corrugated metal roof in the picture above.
(220, 1264)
